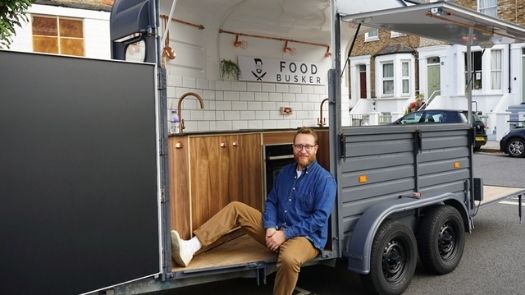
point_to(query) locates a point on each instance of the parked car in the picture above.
(447, 116)
(432, 116)
(479, 128)
(513, 143)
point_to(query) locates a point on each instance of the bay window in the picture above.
(388, 78)
(405, 77)
(495, 69)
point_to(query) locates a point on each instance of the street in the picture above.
(492, 262)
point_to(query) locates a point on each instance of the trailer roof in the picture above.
(442, 21)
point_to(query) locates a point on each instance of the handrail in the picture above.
(430, 98)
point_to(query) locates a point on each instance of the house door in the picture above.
(362, 81)
(433, 76)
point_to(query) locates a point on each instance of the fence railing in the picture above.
(359, 119)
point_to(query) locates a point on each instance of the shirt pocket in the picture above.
(306, 201)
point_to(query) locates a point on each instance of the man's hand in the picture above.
(274, 238)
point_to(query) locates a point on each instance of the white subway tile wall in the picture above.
(233, 105)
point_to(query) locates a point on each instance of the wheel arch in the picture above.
(359, 246)
(462, 210)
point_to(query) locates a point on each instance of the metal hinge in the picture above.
(342, 146)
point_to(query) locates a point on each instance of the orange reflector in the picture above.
(456, 165)
(363, 179)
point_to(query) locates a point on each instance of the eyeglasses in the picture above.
(299, 147)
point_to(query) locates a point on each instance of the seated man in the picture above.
(295, 219)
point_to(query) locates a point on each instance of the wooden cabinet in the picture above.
(178, 182)
(217, 170)
(206, 172)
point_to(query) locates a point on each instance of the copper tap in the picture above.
(179, 107)
(321, 121)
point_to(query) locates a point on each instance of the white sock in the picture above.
(194, 244)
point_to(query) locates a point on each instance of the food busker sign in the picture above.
(280, 71)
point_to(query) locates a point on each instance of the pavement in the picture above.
(491, 146)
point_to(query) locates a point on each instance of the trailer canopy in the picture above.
(441, 21)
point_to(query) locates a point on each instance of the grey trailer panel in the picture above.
(377, 161)
(379, 164)
(79, 173)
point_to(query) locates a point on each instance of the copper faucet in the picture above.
(179, 107)
(321, 121)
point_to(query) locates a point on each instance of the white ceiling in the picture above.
(305, 20)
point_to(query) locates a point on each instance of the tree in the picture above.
(12, 13)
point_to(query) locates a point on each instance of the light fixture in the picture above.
(167, 51)
(287, 49)
(238, 43)
(242, 44)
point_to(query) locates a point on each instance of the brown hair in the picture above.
(306, 130)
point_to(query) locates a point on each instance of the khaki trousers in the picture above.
(293, 253)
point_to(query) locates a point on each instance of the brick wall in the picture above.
(372, 47)
(512, 10)
(509, 10)
(472, 4)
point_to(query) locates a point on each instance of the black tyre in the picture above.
(515, 147)
(441, 239)
(393, 259)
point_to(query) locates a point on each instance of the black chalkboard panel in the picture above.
(78, 173)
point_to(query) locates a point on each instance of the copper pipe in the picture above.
(198, 26)
(321, 121)
(179, 107)
(279, 39)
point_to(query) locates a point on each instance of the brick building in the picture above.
(388, 70)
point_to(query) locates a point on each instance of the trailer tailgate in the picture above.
(493, 194)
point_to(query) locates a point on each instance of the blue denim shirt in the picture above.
(301, 205)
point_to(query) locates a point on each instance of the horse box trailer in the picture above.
(84, 171)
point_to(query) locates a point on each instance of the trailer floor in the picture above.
(240, 250)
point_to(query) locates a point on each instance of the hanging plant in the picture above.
(229, 69)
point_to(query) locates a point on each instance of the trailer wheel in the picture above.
(393, 259)
(441, 240)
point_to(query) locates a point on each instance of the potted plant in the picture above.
(229, 69)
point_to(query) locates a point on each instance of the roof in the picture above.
(103, 5)
(395, 49)
(442, 21)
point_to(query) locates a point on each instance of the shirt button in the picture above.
(285, 211)
(289, 200)
(293, 188)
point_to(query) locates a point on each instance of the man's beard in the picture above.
(304, 161)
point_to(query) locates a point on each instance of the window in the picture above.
(394, 34)
(54, 34)
(495, 69)
(405, 77)
(488, 7)
(388, 78)
(476, 69)
(372, 35)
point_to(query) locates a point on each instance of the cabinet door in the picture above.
(224, 169)
(179, 185)
(246, 170)
(209, 165)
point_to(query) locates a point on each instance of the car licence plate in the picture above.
(480, 138)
